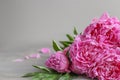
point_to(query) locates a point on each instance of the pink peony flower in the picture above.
(109, 70)
(105, 65)
(106, 29)
(95, 59)
(108, 66)
(83, 55)
(58, 61)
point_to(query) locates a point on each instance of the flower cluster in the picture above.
(95, 52)
(58, 62)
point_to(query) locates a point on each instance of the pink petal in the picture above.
(45, 50)
(94, 20)
(18, 60)
(27, 57)
(37, 55)
(66, 50)
(104, 16)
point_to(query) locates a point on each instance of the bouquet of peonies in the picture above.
(95, 53)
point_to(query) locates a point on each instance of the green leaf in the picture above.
(75, 31)
(70, 37)
(56, 46)
(36, 79)
(46, 76)
(66, 43)
(30, 74)
(73, 75)
(65, 77)
(42, 68)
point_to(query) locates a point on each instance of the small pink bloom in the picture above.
(45, 50)
(58, 61)
(18, 60)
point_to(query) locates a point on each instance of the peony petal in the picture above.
(36, 55)
(18, 60)
(104, 16)
(27, 57)
(66, 50)
(94, 20)
(45, 50)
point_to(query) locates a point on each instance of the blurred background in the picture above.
(32, 24)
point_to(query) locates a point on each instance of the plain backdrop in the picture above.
(31, 24)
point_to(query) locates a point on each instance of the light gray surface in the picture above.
(26, 25)
(10, 70)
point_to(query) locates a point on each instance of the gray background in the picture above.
(26, 25)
